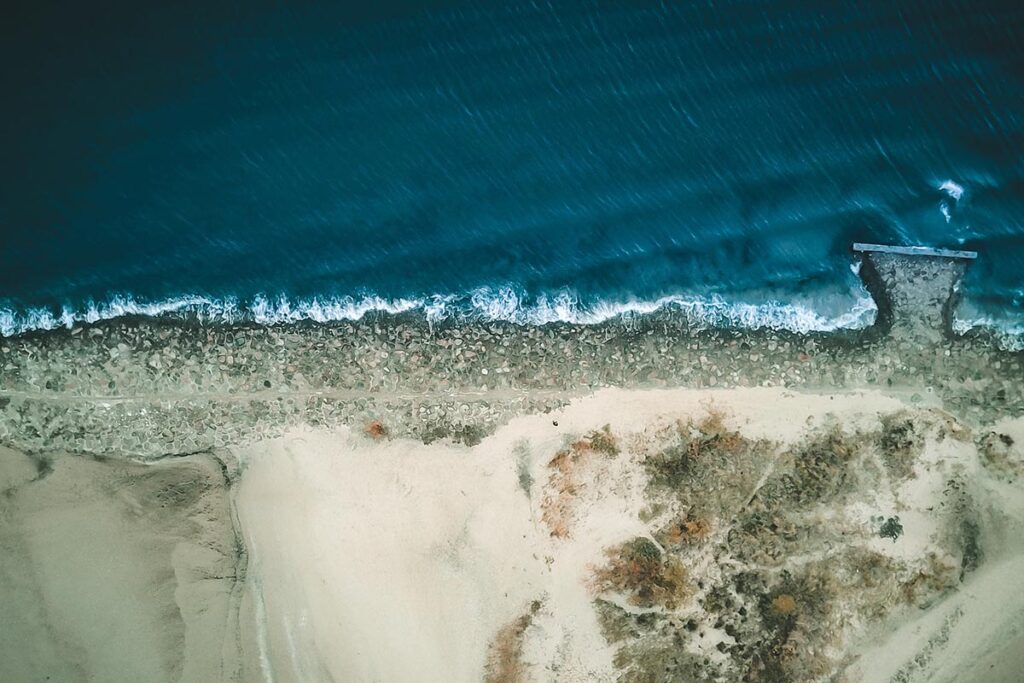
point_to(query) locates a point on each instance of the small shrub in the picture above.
(638, 569)
(505, 654)
(901, 444)
(603, 441)
(376, 430)
(891, 529)
(685, 530)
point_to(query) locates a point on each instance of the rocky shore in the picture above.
(145, 388)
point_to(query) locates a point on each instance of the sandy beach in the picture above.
(361, 557)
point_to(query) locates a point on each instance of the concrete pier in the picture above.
(915, 288)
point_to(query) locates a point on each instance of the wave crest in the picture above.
(499, 304)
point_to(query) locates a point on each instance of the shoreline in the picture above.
(149, 390)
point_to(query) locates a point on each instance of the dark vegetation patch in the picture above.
(695, 444)
(891, 528)
(792, 614)
(900, 443)
(647, 577)
(521, 451)
(43, 464)
(603, 441)
(664, 662)
(1001, 455)
(178, 488)
(466, 434)
(970, 543)
(618, 625)
(820, 469)
(651, 647)
(765, 536)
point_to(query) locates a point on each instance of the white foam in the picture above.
(953, 189)
(1009, 334)
(499, 304)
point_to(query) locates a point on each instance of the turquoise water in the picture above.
(525, 161)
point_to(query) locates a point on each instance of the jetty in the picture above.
(915, 288)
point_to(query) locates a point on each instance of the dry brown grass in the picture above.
(564, 478)
(639, 570)
(685, 530)
(784, 604)
(376, 430)
(556, 507)
(505, 653)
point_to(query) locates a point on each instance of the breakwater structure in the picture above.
(148, 388)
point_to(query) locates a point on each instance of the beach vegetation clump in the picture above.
(648, 577)
(650, 646)
(689, 529)
(820, 468)
(598, 440)
(901, 443)
(764, 536)
(999, 455)
(603, 441)
(796, 617)
(694, 441)
(783, 604)
(564, 480)
(665, 662)
(376, 430)
(934, 578)
(505, 655)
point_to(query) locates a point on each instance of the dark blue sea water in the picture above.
(526, 160)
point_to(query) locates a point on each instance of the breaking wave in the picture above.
(498, 304)
(504, 304)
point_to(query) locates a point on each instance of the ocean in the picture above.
(524, 161)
